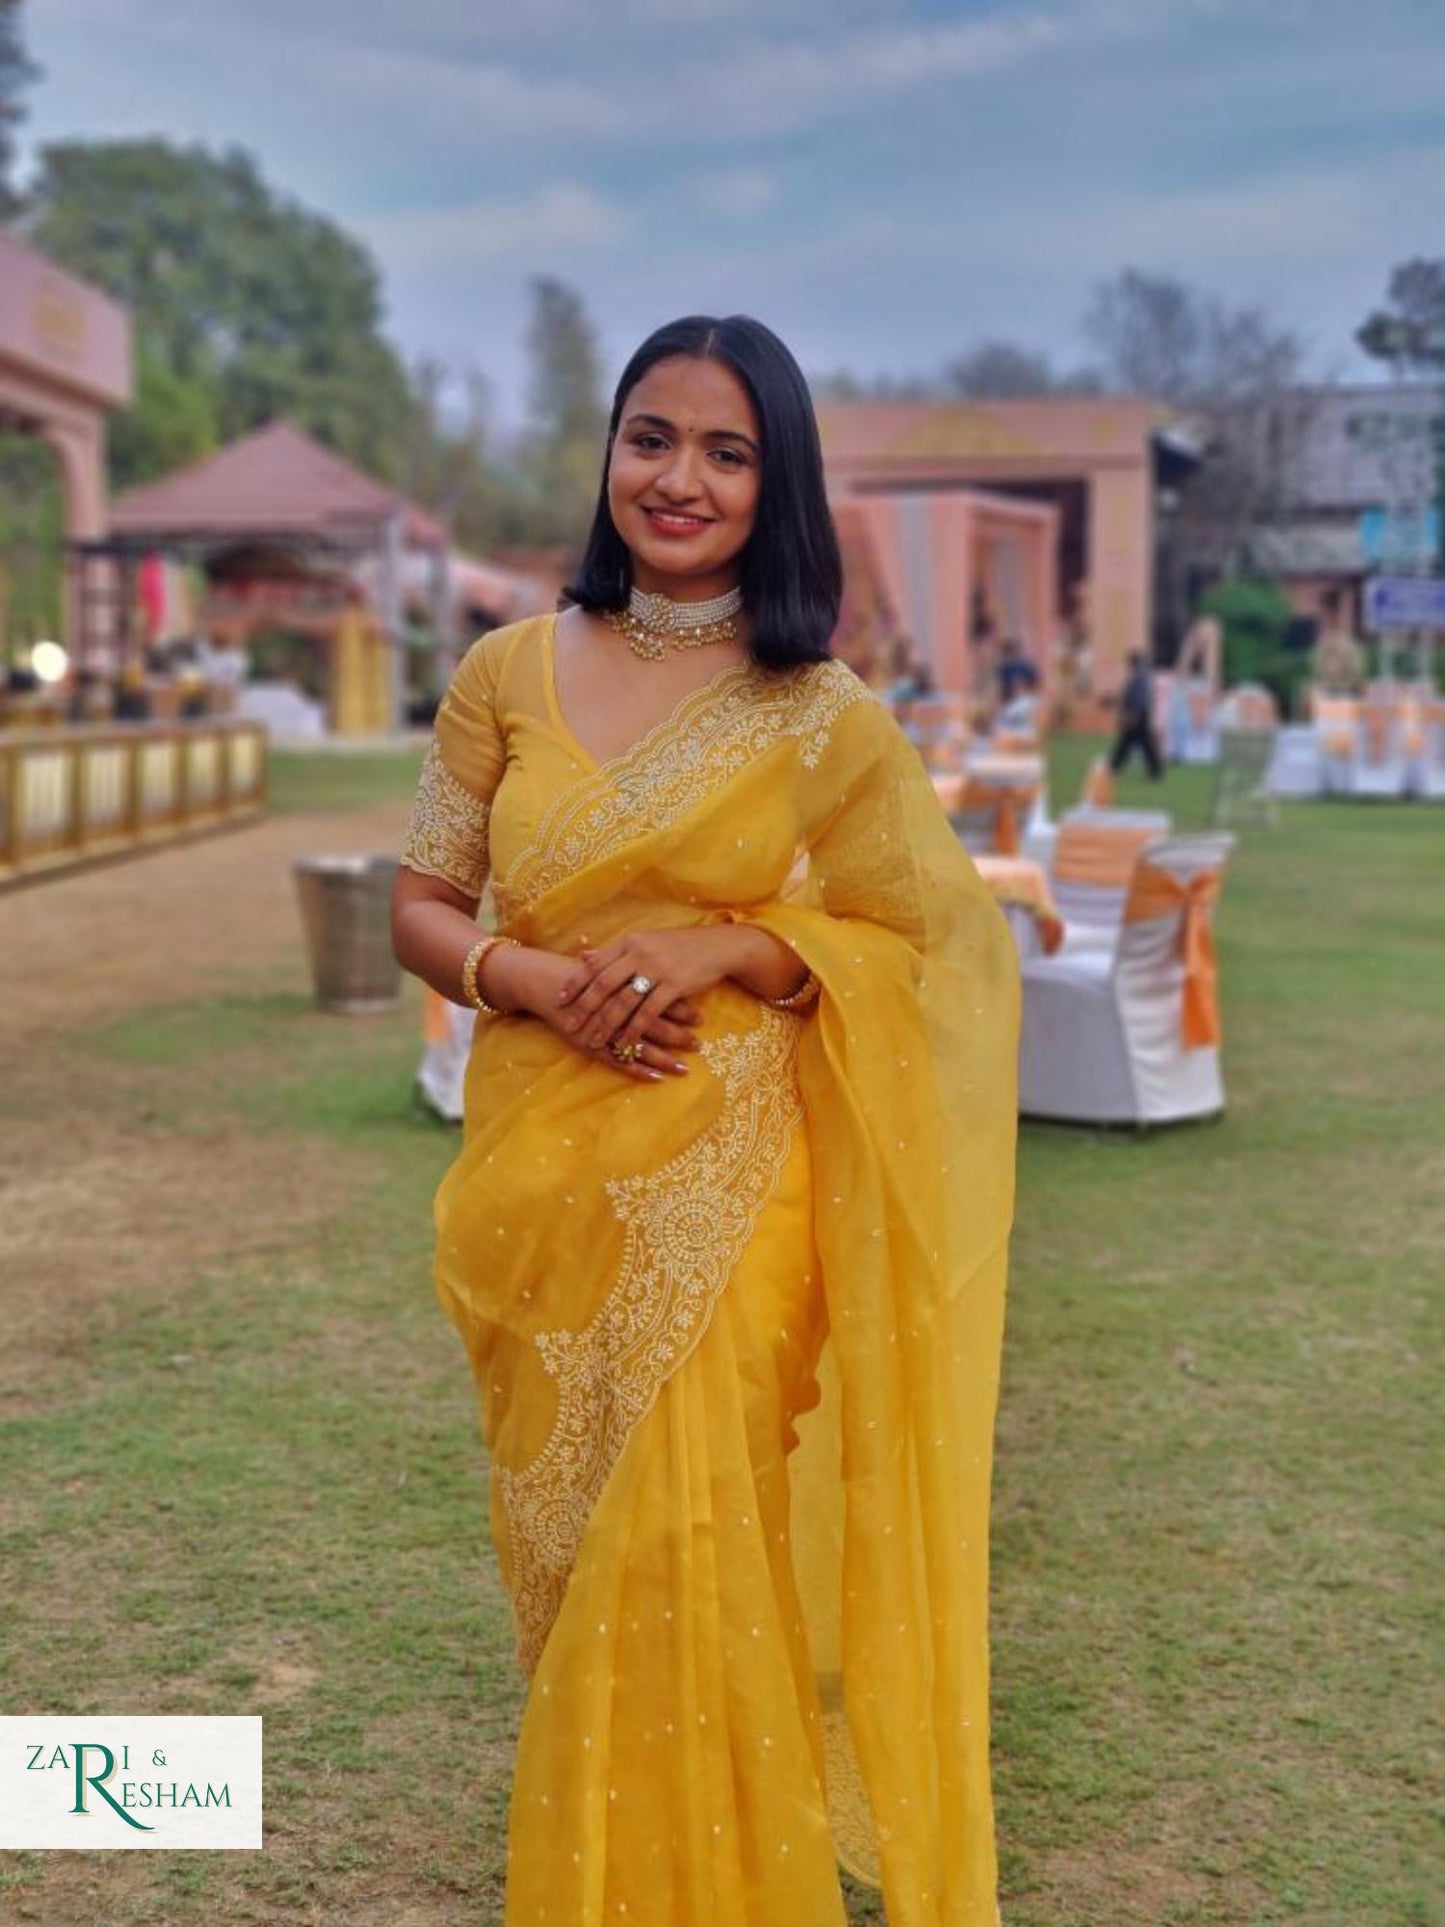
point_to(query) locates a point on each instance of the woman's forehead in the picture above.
(694, 393)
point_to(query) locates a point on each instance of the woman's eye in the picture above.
(647, 443)
(730, 457)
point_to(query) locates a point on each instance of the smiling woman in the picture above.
(726, 1237)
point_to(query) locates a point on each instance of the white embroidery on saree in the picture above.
(707, 740)
(684, 1228)
(447, 834)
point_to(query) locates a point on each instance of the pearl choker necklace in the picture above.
(652, 624)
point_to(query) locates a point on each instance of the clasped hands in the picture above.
(602, 1008)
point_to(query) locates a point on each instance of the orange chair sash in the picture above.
(1155, 893)
(960, 793)
(1014, 742)
(1099, 786)
(1377, 718)
(1019, 880)
(436, 1017)
(1100, 854)
(1334, 718)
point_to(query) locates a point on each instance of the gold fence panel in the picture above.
(71, 794)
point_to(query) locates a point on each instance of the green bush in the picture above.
(1256, 617)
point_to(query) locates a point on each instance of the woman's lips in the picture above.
(668, 523)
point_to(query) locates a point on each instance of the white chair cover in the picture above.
(1380, 764)
(1102, 1035)
(442, 1073)
(1427, 768)
(1092, 912)
(1296, 767)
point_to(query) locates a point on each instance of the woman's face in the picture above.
(684, 477)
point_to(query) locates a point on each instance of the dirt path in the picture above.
(103, 1187)
(176, 923)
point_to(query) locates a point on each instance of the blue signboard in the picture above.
(1399, 535)
(1405, 602)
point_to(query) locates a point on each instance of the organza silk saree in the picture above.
(736, 1335)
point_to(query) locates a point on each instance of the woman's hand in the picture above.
(600, 1005)
(536, 981)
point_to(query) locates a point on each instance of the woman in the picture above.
(726, 1237)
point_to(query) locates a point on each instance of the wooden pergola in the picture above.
(279, 524)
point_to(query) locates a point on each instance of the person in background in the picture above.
(1136, 719)
(1015, 673)
(1337, 660)
(912, 677)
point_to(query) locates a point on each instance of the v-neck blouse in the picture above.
(564, 729)
(505, 774)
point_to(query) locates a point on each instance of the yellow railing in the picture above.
(67, 795)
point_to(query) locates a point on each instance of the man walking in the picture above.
(1136, 720)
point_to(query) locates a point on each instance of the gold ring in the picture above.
(625, 1053)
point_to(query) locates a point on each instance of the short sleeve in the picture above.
(450, 818)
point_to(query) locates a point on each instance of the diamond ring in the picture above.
(642, 985)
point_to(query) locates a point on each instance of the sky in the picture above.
(885, 182)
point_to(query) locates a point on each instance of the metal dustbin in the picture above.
(346, 908)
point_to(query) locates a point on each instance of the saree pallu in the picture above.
(737, 1335)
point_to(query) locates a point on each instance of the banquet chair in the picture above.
(1195, 732)
(1248, 705)
(1379, 760)
(1130, 1035)
(1098, 789)
(1334, 719)
(447, 1033)
(1427, 767)
(1094, 856)
(1241, 778)
(984, 818)
(939, 725)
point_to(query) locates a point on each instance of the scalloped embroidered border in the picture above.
(685, 1226)
(708, 738)
(447, 836)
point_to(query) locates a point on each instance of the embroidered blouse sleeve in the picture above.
(448, 833)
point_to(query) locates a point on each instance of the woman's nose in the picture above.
(679, 480)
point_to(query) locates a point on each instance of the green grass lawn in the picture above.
(341, 779)
(1217, 1609)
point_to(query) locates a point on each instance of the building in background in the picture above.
(1358, 482)
(1025, 519)
(65, 362)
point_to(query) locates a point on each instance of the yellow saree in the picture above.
(736, 1335)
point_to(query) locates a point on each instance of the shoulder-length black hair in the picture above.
(792, 574)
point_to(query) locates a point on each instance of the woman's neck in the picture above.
(683, 588)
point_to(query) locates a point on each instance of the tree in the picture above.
(1234, 376)
(17, 71)
(999, 370)
(171, 422)
(1409, 332)
(267, 308)
(1162, 338)
(568, 417)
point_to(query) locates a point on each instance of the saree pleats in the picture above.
(668, 1768)
(737, 1336)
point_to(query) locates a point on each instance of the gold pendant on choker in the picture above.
(652, 624)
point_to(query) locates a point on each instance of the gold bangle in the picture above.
(472, 991)
(798, 999)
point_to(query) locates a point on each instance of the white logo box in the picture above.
(68, 1780)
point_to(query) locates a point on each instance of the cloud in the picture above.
(519, 231)
(739, 192)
